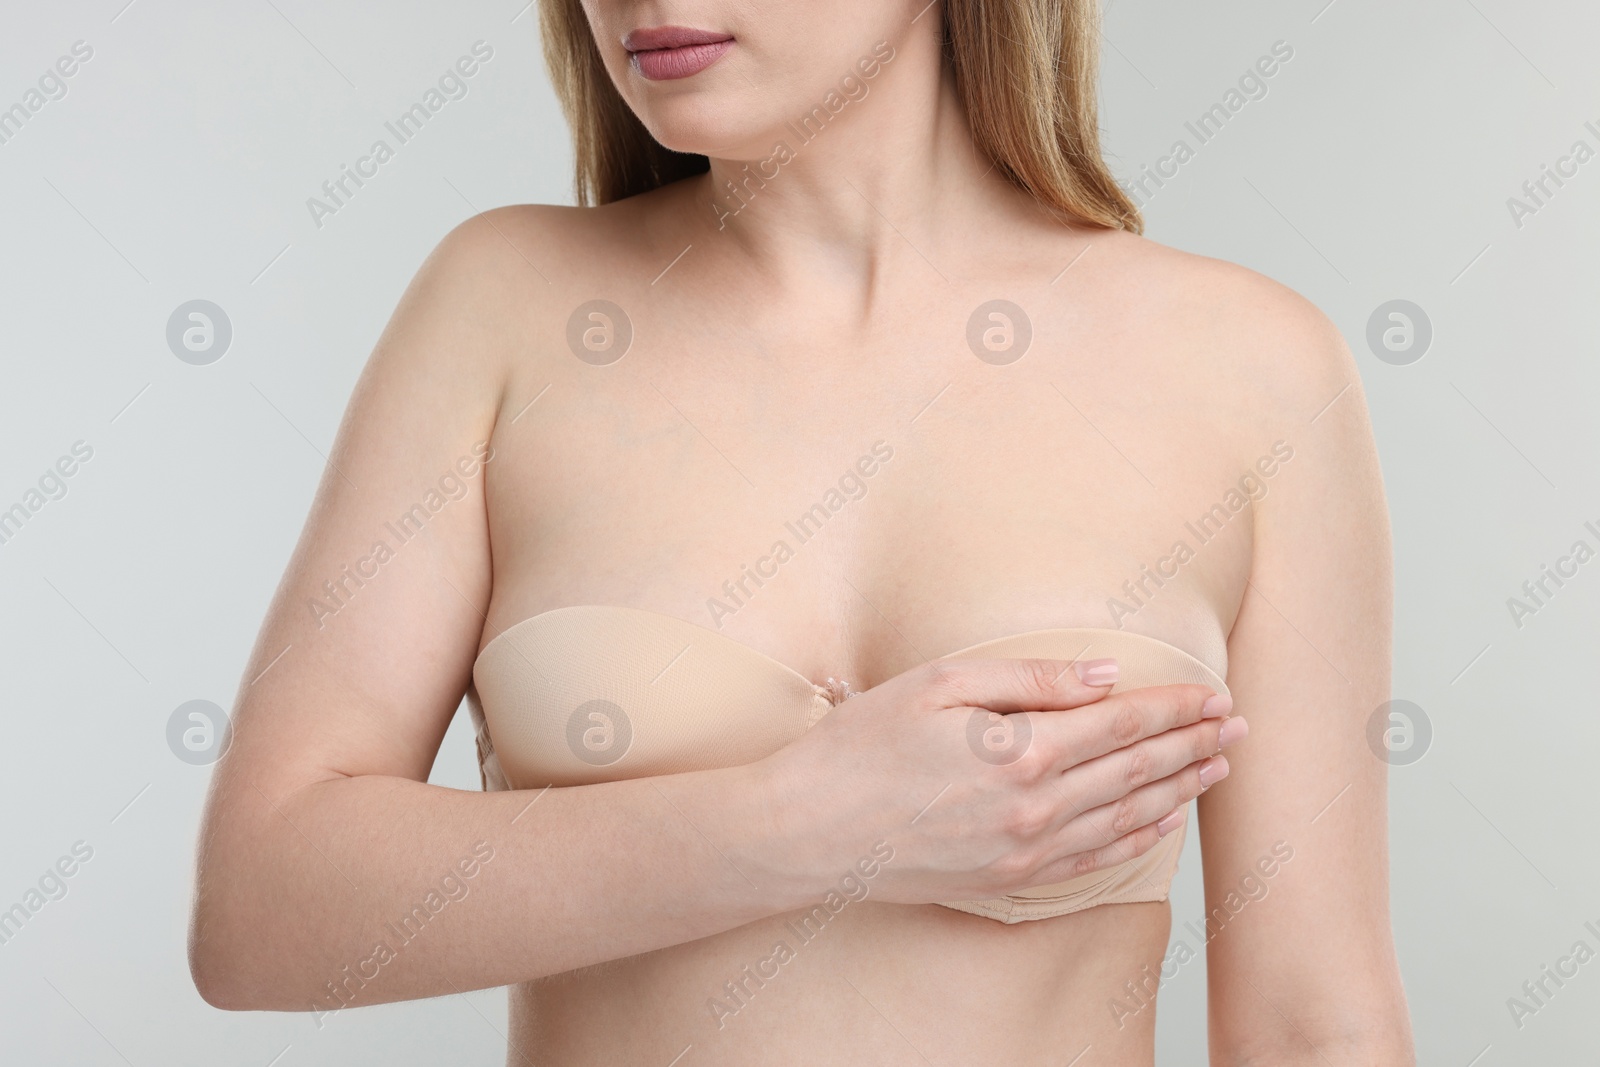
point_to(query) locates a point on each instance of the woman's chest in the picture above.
(852, 519)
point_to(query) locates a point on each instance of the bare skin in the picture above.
(765, 360)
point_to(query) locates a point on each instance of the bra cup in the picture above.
(1141, 662)
(577, 697)
(594, 693)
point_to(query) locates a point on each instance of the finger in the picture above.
(1124, 719)
(1145, 806)
(1012, 685)
(1116, 774)
(1129, 846)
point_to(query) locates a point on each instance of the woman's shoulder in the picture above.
(524, 257)
(564, 230)
(1261, 334)
(539, 237)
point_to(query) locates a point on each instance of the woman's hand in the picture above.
(991, 776)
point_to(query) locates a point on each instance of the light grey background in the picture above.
(1377, 167)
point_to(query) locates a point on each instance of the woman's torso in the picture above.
(1050, 490)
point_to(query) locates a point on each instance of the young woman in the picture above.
(841, 532)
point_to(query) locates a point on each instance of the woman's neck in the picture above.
(879, 175)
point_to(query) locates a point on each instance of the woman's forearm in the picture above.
(361, 890)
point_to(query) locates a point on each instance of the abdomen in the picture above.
(876, 984)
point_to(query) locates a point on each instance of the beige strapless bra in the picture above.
(595, 693)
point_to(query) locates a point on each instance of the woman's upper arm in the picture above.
(1301, 955)
(368, 642)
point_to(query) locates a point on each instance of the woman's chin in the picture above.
(704, 134)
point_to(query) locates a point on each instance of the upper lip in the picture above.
(651, 40)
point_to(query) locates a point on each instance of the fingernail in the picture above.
(1216, 706)
(1233, 729)
(1097, 671)
(1213, 771)
(1172, 821)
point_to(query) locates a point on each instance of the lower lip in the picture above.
(666, 64)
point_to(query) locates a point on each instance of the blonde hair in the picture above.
(1025, 70)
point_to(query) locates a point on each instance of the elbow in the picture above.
(215, 991)
(215, 965)
(231, 967)
(230, 974)
(234, 967)
(212, 980)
